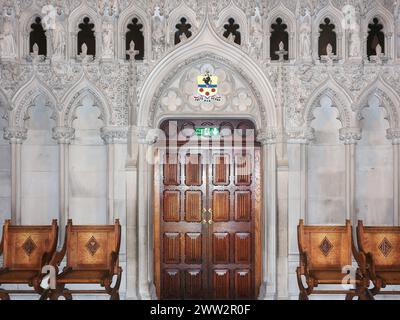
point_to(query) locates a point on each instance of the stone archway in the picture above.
(247, 94)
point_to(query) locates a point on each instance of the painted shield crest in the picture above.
(207, 85)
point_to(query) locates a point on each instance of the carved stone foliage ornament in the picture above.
(293, 84)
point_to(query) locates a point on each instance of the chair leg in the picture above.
(304, 293)
(114, 292)
(350, 296)
(4, 295)
(45, 295)
(303, 296)
(60, 291)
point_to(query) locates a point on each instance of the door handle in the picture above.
(211, 216)
(203, 216)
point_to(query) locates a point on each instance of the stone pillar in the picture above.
(146, 139)
(64, 136)
(389, 45)
(339, 50)
(16, 136)
(364, 50)
(132, 276)
(292, 46)
(269, 241)
(350, 136)
(394, 135)
(112, 136)
(268, 46)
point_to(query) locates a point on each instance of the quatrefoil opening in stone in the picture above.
(385, 247)
(29, 246)
(92, 246)
(326, 247)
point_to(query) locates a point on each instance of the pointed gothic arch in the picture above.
(388, 99)
(341, 100)
(24, 98)
(75, 95)
(336, 17)
(126, 17)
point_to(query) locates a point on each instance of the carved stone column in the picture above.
(146, 288)
(350, 136)
(132, 276)
(269, 239)
(268, 47)
(339, 50)
(16, 136)
(292, 46)
(389, 47)
(64, 136)
(364, 50)
(299, 140)
(112, 136)
(394, 135)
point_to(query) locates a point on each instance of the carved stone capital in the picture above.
(394, 135)
(147, 135)
(350, 135)
(63, 135)
(114, 135)
(267, 136)
(300, 135)
(15, 135)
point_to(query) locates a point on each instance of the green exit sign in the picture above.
(207, 132)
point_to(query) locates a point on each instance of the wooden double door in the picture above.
(207, 224)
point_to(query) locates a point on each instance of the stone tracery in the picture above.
(297, 85)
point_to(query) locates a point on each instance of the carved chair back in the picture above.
(327, 247)
(91, 247)
(25, 246)
(383, 243)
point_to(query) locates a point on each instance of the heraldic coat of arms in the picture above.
(207, 87)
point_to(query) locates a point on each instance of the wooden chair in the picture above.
(381, 248)
(324, 252)
(26, 250)
(91, 258)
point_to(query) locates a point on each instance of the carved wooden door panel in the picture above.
(208, 217)
(232, 198)
(183, 244)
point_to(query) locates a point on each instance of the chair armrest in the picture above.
(113, 262)
(59, 255)
(57, 259)
(305, 263)
(46, 258)
(1, 244)
(361, 259)
(371, 266)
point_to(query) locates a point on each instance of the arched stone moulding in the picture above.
(336, 17)
(289, 19)
(189, 53)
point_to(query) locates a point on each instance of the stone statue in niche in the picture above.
(108, 40)
(49, 17)
(353, 27)
(256, 35)
(59, 36)
(305, 36)
(8, 48)
(158, 37)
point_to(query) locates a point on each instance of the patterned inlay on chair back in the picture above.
(24, 246)
(328, 247)
(383, 243)
(90, 247)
